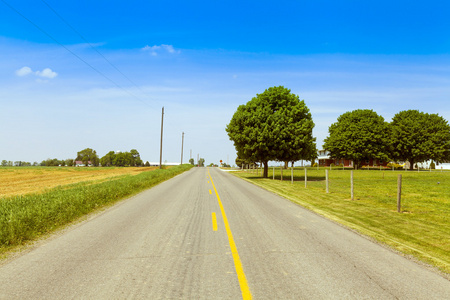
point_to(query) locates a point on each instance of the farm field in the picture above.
(16, 181)
(63, 195)
(422, 229)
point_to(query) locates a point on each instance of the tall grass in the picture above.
(422, 229)
(24, 218)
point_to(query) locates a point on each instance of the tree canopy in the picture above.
(359, 135)
(274, 125)
(121, 159)
(417, 137)
(88, 155)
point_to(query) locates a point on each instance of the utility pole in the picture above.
(160, 149)
(182, 142)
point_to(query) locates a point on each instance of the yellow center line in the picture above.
(214, 221)
(245, 290)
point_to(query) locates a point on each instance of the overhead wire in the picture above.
(90, 45)
(71, 52)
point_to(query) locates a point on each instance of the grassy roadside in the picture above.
(27, 217)
(422, 229)
(16, 181)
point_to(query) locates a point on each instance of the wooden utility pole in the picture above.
(160, 149)
(182, 144)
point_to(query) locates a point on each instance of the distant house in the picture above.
(325, 160)
(79, 163)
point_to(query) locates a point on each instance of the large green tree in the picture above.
(88, 155)
(108, 159)
(418, 137)
(359, 135)
(135, 158)
(274, 125)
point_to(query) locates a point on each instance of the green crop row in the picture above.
(24, 218)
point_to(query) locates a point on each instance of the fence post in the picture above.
(399, 193)
(292, 175)
(306, 177)
(326, 179)
(351, 183)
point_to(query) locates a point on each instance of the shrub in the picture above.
(432, 165)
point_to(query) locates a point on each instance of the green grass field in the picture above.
(422, 229)
(26, 217)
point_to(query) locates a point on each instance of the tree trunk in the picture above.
(266, 169)
(286, 164)
(411, 164)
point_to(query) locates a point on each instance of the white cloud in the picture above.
(47, 73)
(23, 71)
(154, 50)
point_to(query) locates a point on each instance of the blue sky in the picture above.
(200, 60)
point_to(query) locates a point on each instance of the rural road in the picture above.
(162, 244)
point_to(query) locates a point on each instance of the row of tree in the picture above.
(122, 159)
(412, 136)
(89, 156)
(48, 162)
(277, 126)
(112, 158)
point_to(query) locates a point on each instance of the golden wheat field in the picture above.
(16, 181)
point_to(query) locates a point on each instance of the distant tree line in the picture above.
(122, 159)
(201, 162)
(88, 157)
(412, 136)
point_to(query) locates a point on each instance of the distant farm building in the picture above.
(79, 163)
(325, 160)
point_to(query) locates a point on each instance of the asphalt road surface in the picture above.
(196, 238)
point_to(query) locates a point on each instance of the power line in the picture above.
(71, 52)
(95, 49)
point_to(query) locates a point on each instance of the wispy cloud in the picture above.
(45, 73)
(154, 50)
(23, 71)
